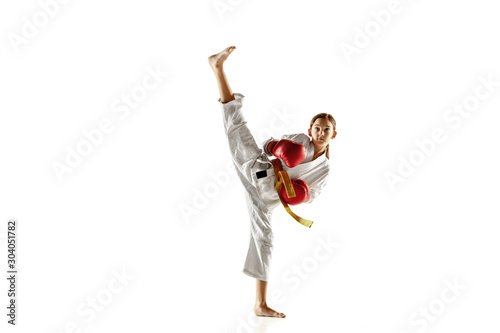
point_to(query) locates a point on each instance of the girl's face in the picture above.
(322, 132)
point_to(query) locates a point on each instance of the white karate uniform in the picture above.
(257, 176)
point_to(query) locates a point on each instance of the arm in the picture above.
(265, 144)
(301, 138)
(291, 149)
(290, 152)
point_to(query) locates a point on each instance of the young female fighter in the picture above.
(306, 161)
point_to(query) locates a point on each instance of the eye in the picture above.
(327, 129)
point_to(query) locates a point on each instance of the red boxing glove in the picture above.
(290, 152)
(301, 192)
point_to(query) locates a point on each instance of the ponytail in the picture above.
(327, 152)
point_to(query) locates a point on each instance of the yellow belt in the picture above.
(283, 179)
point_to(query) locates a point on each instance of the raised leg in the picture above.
(261, 309)
(216, 61)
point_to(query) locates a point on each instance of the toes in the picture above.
(269, 313)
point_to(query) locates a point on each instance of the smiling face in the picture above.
(322, 131)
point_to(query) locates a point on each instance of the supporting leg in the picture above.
(261, 308)
(216, 61)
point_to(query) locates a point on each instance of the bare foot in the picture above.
(265, 311)
(218, 59)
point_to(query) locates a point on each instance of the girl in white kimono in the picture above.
(305, 158)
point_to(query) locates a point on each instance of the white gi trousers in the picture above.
(257, 176)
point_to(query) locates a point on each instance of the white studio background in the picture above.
(416, 100)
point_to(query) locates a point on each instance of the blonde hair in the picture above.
(330, 118)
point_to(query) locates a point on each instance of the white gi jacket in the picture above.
(314, 173)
